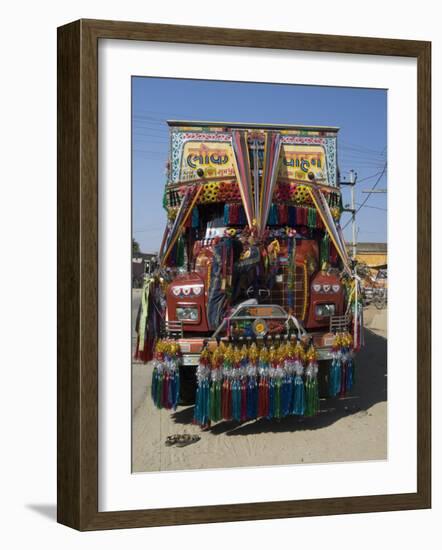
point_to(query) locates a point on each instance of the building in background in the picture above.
(140, 264)
(373, 255)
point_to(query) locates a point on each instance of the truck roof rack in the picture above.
(263, 125)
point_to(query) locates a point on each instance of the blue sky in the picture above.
(361, 115)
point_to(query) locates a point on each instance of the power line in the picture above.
(362, 148)
(374, 207)
(370, 177)
(368, 196)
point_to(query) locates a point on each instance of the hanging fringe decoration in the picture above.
(186, 207)
(243, 381)
(298, 382)
(264, 383)
(291, 273)
(287, 380)
(216, 385)
(235, 386)
(273, 215)
(226, 391)
(165, 387)
(291, 215)
(311, 383)
(179, 259)
(272, 384)
(334, 377)
(253, 382)
(311, 217)
(226, 214)
(201, 414)
(149, 319)
(341, 373)
(349, 379)
(195, 217)
(347, 375)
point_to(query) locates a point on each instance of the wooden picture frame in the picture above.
(77, 461)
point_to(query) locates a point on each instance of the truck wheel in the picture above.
(187, 385)
(324, 368)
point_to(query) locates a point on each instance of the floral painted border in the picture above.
(178, 138)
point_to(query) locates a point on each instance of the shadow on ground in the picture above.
(370, 388)
(46, 510)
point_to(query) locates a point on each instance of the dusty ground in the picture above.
(354, 428)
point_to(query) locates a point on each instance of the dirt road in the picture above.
(350, 429)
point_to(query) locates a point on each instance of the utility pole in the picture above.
(353, 176)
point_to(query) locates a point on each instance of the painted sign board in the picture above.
(298, 161)
(215, 158)
(209, 149)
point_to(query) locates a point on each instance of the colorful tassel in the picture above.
(311, 384)
(249, 382)
(179, 258)
(165, 388)
(264, 384)
(341, 373)
(201, 413)
(298, 382)
(216, 385)
(195, 218)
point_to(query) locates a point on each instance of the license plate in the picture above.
(190, 360)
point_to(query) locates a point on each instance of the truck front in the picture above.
(253, 222)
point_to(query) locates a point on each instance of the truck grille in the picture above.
(279, 293)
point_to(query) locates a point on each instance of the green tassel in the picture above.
(324, 253)
(311, 397)
(158, 400)
(311, 218)
(215, 401)
(180, 252)
(277, 402)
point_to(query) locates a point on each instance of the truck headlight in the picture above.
(325, 310)
(187, 313)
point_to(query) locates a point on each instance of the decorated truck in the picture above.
(254, 307)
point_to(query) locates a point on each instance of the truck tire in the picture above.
(324, 368)
(187, 385)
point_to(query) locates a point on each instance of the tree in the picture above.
(135, 246)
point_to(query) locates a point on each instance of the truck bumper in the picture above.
(192, 359)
